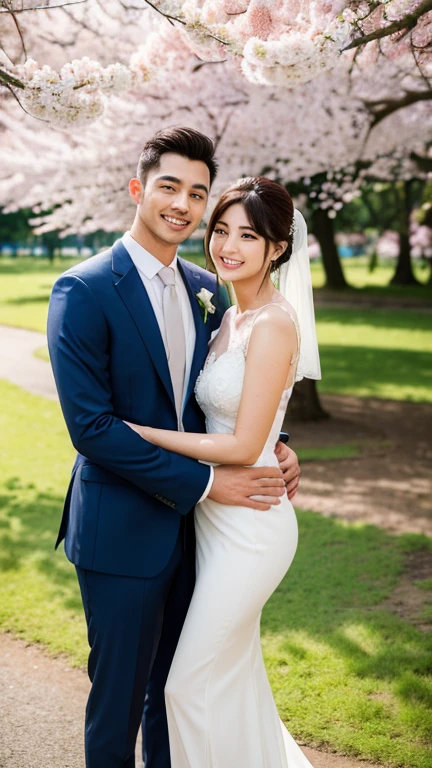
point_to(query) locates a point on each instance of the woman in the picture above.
(221, 712)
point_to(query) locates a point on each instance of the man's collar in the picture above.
(144, 261)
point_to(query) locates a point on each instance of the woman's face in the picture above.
(236, 248)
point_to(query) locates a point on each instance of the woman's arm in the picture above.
(272, 345)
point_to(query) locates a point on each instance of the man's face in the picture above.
(173, 201)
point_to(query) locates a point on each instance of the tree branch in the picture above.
(382, 108)
(407, 23)
(43, 7)
(9, 80)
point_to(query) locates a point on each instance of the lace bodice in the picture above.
(219, 386)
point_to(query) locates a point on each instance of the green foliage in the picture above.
(346, 673)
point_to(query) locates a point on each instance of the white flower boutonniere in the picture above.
(204, 298)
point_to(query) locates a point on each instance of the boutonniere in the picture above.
(204, 298)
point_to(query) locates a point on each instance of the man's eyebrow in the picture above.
(175, 180)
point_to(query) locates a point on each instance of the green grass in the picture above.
(25, 287)
(345, 672)
(376, 353)
(347, 451)
(376, 283)
(42, 353)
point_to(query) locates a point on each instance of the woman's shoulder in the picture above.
(279, 314)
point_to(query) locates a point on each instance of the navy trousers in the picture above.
(133, 629)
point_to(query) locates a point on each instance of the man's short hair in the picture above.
(186, 142)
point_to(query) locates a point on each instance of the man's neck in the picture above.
(163, 252)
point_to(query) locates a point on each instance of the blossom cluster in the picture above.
(286, 42)
(75, 95)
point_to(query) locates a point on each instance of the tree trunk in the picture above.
(404, 274)
(323, 230)
(304, 404)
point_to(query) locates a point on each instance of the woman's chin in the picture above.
(229, 275)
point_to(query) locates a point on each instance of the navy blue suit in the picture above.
(125, 520)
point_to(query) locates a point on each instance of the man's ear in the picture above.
(135, 190)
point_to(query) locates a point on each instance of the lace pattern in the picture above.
(219, 386)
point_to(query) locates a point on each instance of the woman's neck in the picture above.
(251, 296)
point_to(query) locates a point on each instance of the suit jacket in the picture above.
(126, 497)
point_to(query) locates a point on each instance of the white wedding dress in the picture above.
(221, 712)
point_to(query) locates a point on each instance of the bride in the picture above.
(221, 712)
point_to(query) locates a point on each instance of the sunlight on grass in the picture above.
(376, 353)
(345, 673)
(358, 275)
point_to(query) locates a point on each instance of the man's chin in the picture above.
(176, 238)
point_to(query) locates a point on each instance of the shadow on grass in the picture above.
(28, 530)
(27, 264)
(326, 627)
(36, 299)
(373, 369)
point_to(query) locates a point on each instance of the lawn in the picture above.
(376, 283)
(372, 353)
(376, 353)
(346, 672)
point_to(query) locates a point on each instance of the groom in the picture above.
(127, 338)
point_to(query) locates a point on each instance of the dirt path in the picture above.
(390, 483)
(19, 365)
(42, 712)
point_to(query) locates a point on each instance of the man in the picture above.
(127, 339)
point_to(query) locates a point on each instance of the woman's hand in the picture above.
(289, 464)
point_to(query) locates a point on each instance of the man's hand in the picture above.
(290, 468)
(253, 487)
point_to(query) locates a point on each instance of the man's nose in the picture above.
(181, 202)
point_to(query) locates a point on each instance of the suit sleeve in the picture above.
(78, 340)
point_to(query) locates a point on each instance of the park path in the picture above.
(42, 706)
(19, 365)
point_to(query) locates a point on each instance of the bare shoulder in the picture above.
(276, 318)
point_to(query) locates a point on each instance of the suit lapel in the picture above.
(135, 297)
(193, 285)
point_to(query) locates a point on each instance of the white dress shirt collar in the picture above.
(144, 261)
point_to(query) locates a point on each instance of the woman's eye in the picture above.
(246, 234)
(220, 231)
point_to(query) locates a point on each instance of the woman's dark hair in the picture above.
(181, 141)
(270, 211)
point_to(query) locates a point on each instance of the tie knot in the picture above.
(167, 275)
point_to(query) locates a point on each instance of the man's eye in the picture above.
(167, 186)
(199, 197)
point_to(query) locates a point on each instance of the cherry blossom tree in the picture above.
(281, 43)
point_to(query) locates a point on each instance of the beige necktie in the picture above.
(175, 336)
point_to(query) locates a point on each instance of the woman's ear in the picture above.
(280, 248)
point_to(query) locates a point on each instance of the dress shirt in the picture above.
(148, 267)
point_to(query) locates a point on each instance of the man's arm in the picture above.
(78, 340)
